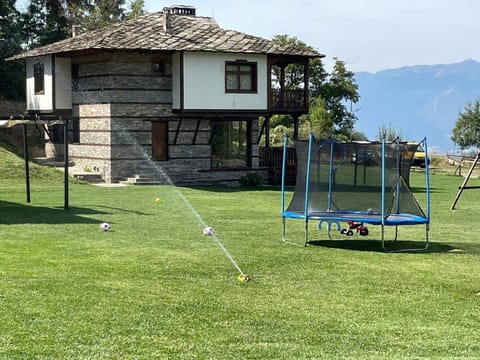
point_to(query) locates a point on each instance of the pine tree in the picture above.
(12, 75)
(48, 21)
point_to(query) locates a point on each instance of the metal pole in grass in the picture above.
(65, 158)
(383, 191)
(282, 200)
(398, 175)
(427, 195)
(27, 167)
(427, 178)
(330, 177)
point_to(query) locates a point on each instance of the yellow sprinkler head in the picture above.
(243, 278)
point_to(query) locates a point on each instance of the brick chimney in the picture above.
(166, 20)
(183, 10)
(176, 10)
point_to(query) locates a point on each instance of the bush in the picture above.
(250, 179)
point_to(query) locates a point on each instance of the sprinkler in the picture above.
(243, 278)
(161, 174)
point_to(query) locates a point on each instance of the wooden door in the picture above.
(160, 140)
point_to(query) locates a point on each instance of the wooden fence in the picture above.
(272, 158)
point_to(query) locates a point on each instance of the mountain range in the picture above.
(417, 101)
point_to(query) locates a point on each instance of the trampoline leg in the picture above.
(283, 229)
(383, 238)
(396, 233)
(427, 239)
(306, 233)
(425, 247)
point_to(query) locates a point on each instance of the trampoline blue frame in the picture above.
(331, 216)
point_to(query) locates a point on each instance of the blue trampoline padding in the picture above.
(373, 219)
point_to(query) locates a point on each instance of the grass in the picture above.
(155, 288)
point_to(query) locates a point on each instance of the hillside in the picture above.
(12, 168)
(419, 100)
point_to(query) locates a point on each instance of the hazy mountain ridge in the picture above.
(419, 101)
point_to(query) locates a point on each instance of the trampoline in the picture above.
(359, 182)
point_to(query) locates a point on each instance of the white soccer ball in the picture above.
(104, 226)
(208, 231)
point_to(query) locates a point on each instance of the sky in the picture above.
(368, 35)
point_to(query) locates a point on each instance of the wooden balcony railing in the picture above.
(272, 158)
(288, 99)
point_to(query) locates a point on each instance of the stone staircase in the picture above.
(73, 171)
(92, 178)
(141, 179)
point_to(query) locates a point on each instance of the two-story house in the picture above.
(169, 90)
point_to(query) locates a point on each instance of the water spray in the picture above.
(242, 277)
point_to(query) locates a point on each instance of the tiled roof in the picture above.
(187, 33)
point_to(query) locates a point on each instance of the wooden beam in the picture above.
(463, 186)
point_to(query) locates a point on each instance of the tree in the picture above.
(103, 13)
(317, 121)
(338, 89)
(340, 93)
(294, 72)
(358, 136)
(48, 21)
(45, 22)
(12, 84)
(137, 8)
(388, 133)
(466, 131)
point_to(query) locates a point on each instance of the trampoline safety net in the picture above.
(354, 177)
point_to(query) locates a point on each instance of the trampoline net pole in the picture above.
(383, 184)
(282, 199)
(307, 185)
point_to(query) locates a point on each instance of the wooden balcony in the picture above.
(288, 100)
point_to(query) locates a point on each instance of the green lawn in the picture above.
(155, 288)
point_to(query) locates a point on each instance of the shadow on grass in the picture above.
(420, 190)
(236, 188)
(288, 188)
(376, 245)
(15, 213)
(123, 210)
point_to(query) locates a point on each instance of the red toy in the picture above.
(353, 225)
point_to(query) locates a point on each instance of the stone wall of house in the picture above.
(93, 152)
(117, 96)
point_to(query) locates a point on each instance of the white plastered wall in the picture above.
(39, 102)
(61, 92)
(204, 82)
(63, 84)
